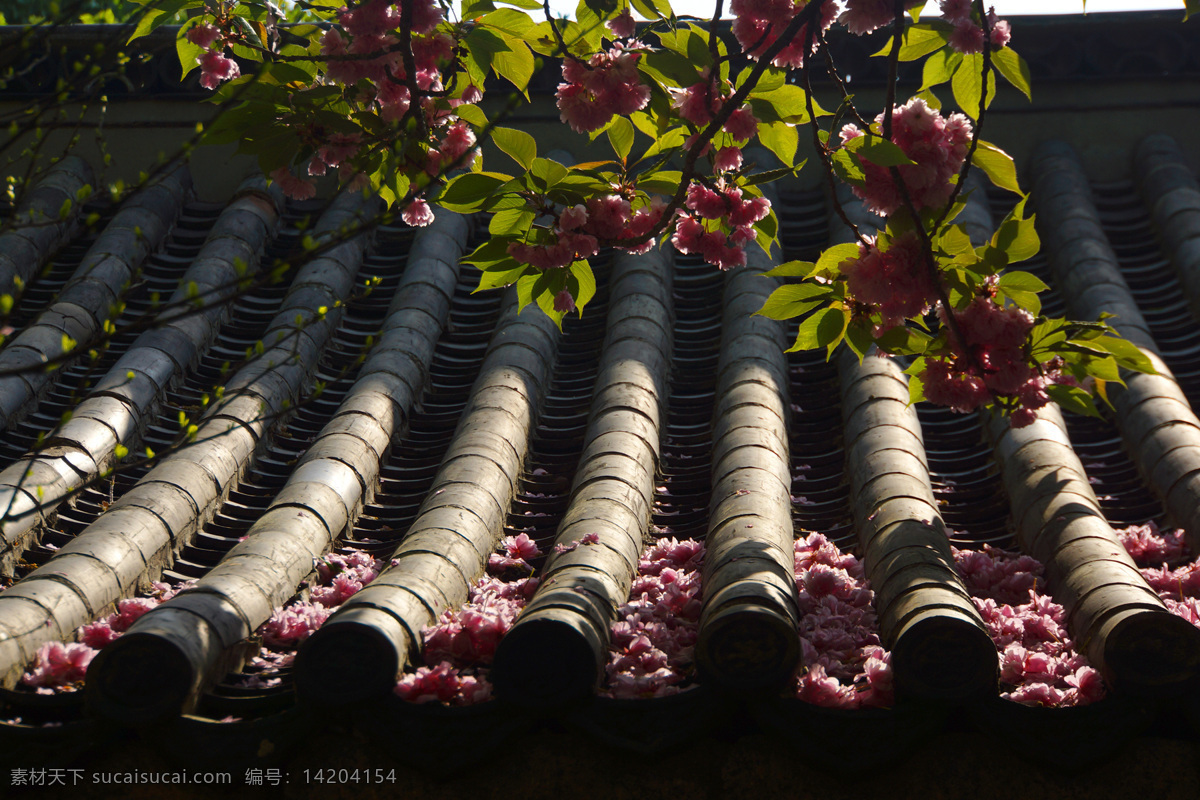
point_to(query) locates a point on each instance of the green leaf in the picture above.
(1190, 7)
(518, 145)
(515, 64)
(793, 300)
(1022, 281)
(509, 20)
(1017, 237)
(664, 182)
(1127, 354)
(511, 220)
(997, 165)
(652, 10)
(548, 172)
(967, 84)
(786, 102)
(939, 68)
(493, 278)
(584, 288)
(878, 150)
(189, 54)
(847, 167)
(1014, 69)
(771, 175)
(792, 269)
(903, 340)
(697, 51)
(1026, 300)
(472, 114)
(781, 139)
(919, 41)
(469, 192)
(859, 340)
(832, 257)
(1073, 398)
(668, 68)
(620, 136)
(916, 388)
(153, 17)
(527, 288)
(823, 329)
(955, 242)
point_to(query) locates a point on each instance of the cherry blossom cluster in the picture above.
(845, 664)
(461, 644)
(864, 16)
(712, 210)
(60, 666)
(338, 577)
(700, 102)
(896, 282)
(968, 36)
(215, 66)
(991, 361)
(366, 55)
(654, 636)
(937, 145)
(1163, 559)
(1039, 664)
(757, 25)
(607, 84)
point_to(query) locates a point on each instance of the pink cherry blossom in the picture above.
(946, 386)
(564, 301)
(291, 625)
(864, 16)
(896, 280)
(203, 35)
(697, 103)
(758, 24)
(215, 69)
(608, 84)
(607, 216)
(1039, 664)
(937, 145)
(573, 217)
(967, 37)
(623, 25)
(955, 10)
(655, 632)
(728, 159)
(1147, 545)
(742, 124)
(58, 665)
(845, 666)
(418, 214)
(293, 187)
(443, 684)
(1001, 31)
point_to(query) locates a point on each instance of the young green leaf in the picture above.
(793, 300)
(792, 269)
(967, 85)
(824, 328)
(1014, 69)
(518, 145)
(919, 41)
(620, 136)
(939, 68)
(997, 165)
(781, 139)
(833, 256)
